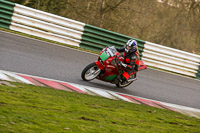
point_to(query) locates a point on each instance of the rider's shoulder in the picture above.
(133, 56)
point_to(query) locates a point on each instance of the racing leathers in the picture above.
(130, 64)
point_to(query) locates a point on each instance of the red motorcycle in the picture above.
(108, 68)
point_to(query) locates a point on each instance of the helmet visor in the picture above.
(129, 47)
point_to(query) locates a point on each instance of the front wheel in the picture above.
(90, 72)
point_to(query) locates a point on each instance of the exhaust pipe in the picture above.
(132, 79)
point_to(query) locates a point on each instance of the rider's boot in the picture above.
(124, 81)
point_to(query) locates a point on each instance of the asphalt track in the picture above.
(33, 57)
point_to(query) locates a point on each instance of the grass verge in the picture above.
(27, 108)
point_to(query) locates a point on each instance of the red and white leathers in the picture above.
(131, 59)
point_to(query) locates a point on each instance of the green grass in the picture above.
(33, 109)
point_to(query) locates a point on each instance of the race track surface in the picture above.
(33, 57)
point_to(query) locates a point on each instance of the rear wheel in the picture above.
(90, 72)
(120, 85)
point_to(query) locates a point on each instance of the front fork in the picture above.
(99, 64)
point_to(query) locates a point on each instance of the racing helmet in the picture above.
(131, 46)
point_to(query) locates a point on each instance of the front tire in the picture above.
(90, 72)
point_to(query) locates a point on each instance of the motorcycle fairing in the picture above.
(99, 64)
(104, 56)
(110, 77)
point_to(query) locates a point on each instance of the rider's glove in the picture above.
(124, 65)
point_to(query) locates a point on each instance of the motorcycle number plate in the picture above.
(104, 56)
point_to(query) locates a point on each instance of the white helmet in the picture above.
(131, 46)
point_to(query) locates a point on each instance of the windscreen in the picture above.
(111, 51)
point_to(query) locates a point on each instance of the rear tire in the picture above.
(90, 72)
(127, 84)
(119, 85)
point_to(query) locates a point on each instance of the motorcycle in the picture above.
(108, 68)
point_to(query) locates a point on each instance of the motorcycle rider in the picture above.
(131, 59)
